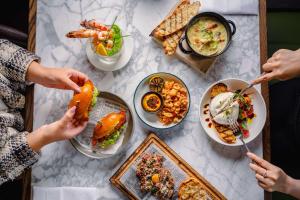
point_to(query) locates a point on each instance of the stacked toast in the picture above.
(170, 30)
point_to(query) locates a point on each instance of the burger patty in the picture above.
(151, 164)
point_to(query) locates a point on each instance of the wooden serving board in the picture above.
(152, 139)
(199, 64)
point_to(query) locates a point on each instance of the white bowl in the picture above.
(259, 106)
(151, 119)
(121, 59)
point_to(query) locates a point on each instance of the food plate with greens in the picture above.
(110, 127)
(108, 48)
(222, 101)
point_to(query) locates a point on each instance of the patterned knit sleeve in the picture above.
(14, 60)
(15, 153)
(15, 157)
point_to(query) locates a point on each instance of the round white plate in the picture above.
(122, 61)
(259, 106)
(151, 119)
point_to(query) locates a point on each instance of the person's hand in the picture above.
(269, 177)
(65, 128)
(60, 78)
(283, 65)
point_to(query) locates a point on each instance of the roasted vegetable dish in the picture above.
(154, 178)
(226, 104)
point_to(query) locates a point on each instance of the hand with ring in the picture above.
(272, 178)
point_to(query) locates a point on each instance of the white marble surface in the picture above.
(61, 165)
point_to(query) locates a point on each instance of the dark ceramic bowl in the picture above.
(230, 32)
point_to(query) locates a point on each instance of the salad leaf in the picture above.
(113, 138)
(95, 94)
(117, 38)
(244, 125)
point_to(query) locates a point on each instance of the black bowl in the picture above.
(230, 32)
(159, 96)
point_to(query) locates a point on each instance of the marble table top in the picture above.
(61, 165)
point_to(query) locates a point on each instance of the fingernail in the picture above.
(73, 109)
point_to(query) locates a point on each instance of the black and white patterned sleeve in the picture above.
(16, 156)
(15, 153)
(14, 60)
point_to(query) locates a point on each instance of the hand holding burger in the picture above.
(60, 130)
(71, 124)
(84, 101)
(60, 78)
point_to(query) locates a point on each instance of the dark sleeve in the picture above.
(14, 60)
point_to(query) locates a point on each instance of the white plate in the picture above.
(151, 119)
(259, 106)
(120, 63)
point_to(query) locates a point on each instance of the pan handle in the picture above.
(182, 48)
(233, 29)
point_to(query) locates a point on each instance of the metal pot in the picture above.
(228, 24)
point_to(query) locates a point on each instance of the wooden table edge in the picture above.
(29, 95)
(264, 86)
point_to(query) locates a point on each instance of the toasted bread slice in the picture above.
(225, 133)
(192, 189)
(218, 89)
(177, 20)
(170, 43)
(179, 5)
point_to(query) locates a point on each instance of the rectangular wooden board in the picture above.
(152, 139)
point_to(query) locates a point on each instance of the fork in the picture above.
(234, 126)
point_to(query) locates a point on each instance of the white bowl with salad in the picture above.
(108, 47)
(106, 44)
(248, 109)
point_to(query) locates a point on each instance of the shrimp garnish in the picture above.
(82, 33)
(92, 24)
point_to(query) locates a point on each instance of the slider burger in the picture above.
(84, 101)
(108, 129)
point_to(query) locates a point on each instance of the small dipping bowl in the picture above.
(146, 106)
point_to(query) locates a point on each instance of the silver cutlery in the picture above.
(234, 126)
(250, 85)
(244, 90)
